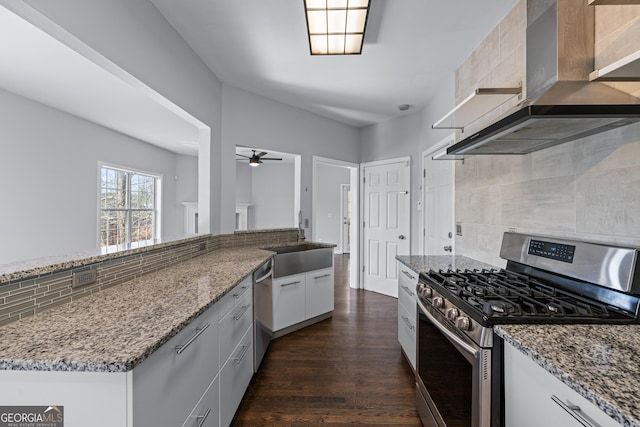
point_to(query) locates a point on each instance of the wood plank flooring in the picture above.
(346, 370)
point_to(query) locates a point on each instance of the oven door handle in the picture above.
(453, 337)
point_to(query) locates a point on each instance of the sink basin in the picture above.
(297, 248)
(301, 258)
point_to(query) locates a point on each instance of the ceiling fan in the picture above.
(256, 159)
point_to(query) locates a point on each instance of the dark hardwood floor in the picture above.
(346, 370)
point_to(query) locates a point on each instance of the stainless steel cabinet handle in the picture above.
(322, 277)
(407, 290)
(199, 331)
(238, 359)
(202, 418)
(290, 284)
(265, 277)
(244, 310)
(575, 412)
(406, 320)
(408, 275)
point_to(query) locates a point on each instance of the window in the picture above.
(128, 212)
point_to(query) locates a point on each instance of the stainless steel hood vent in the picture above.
(562, 105)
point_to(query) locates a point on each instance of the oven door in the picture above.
(453, 374)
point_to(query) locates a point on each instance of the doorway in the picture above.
(329, 176)
(345, 215)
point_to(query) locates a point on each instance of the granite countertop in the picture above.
(115, 329)
(424, 263)
(600, 362)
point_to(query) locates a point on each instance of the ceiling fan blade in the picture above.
(242, 155)
(270, 158)
(261, 154)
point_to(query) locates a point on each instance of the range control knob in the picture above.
(426, 291)
(453, 313)
(438, 302)
(463, 323)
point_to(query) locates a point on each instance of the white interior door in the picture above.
(386, 227)
(438, 185)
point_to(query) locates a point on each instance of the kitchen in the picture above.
(514, 181)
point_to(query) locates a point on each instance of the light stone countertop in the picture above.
(600, 362)
(115, 329)
(424, 263)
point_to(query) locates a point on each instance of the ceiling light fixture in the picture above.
(336, 27)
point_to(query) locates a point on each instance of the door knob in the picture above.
(401, 237)
(448, 248)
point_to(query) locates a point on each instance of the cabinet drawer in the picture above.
(234, 378)
(319, 292)
(207, 412)
(227, 302)
(235, 324)
(407, 334)
(407, 298)
(168, 384)
(288, 301)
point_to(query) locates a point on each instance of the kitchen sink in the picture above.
(301, 258)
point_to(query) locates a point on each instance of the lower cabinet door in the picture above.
(319, 292)
(207, 411)
(288, 301)
(235, 377)
(407, 333)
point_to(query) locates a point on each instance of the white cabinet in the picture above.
(407, 310)
(288, 301)
(301, 297)
(534, 397)
(169, 383)
(318, 292)
(236, 348)
(206, 412)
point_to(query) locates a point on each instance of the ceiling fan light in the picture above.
(336, 27)
(254, 162)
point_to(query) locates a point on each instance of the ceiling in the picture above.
(410, 48)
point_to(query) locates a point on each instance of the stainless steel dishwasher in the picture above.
(262, 311)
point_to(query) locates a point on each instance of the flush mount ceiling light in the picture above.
(336, 27)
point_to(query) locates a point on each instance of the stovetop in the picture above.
(501, 296)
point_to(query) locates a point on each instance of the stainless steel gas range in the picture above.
(546, 280)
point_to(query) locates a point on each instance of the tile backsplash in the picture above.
(586, 189)
(27, 296)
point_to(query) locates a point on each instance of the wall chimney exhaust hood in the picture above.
(562, 104)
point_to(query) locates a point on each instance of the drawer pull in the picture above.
(243, 288)
(323, 276)
(244, 310)
(575, 412)
(202, 418)
(408, 275)
(290, 284)
(407, 290)
(199, 331)
(238, 359)
(406, 320)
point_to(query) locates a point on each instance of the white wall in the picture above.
(272, 185)
(136, 37)
(49, 179)
(328, 200)
(253, 120)
(244, 192)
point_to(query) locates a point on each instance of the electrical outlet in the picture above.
(83, 278)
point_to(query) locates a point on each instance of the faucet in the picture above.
(301, 236)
